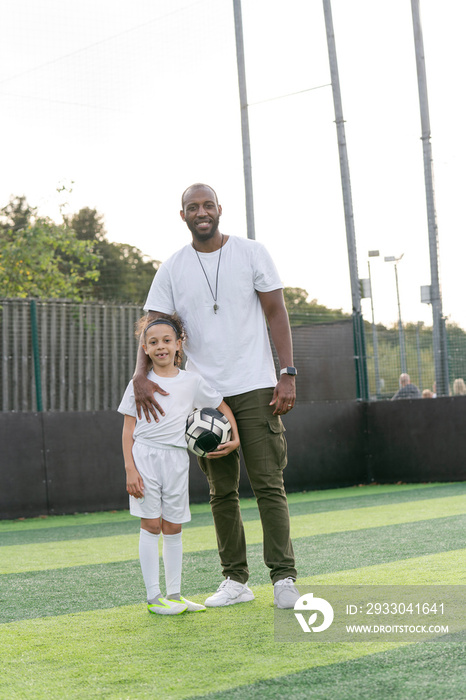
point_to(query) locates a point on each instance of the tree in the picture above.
(39, 258)
(88, 225)
(303, 311)
(125, 273)
(16, 215)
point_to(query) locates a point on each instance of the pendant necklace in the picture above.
(214, 297)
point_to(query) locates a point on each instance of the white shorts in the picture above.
(166, 479)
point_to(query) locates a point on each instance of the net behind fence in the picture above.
(80, 357)
(87, 353)
(393, 351)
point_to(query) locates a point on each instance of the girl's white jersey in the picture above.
(186, 392)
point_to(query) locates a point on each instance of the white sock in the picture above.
(149, 559)
(173, 561)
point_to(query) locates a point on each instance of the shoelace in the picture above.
(224, 583)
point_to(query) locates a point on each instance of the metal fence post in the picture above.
(36, 354)
(358, 323)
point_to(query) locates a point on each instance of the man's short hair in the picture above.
(196, 186)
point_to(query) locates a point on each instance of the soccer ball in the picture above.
(206, 428)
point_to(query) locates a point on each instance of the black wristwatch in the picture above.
(289, 370)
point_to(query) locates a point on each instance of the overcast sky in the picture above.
(134, 101)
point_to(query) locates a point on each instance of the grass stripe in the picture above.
(110, 653)
(58, 521)
(54, 555)
(41, 593)
(126, 653)
(446, 568)
(417, 672)
(203, 518)
(122, 652)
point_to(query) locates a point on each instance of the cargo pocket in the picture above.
(276, 444)
(202, 462)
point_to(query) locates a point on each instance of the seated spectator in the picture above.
(406, 390)
(459, 387)
(427, 394)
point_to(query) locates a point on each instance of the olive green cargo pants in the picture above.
(264, 450)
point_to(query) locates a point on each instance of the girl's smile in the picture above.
(161, 345)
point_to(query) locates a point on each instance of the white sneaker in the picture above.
(162, 606)
(285, 593)
(193, 607)
(228, 593)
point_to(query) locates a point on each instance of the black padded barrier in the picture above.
(417, 440)
(23, 491)
(52, 463)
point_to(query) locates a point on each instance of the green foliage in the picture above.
(16, 214)
(125, 273)
(303, 312)
(73, 260)
(88, 224)
(39, 258)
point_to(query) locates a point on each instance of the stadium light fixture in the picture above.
(426, 294)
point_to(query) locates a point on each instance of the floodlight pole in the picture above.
(439, 332)
(393, 259)
(374, 334)
(247, 168)
(404, 368)
(358, 324)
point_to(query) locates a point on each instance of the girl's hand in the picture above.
(233, 443)
(224, 450)
(134, 483)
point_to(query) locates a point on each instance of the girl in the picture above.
(157, 462)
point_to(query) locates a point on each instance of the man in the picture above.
(223, 287)
(406, 390)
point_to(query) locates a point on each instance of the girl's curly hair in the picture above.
(143, 323)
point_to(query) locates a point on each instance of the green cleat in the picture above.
(193, 607)
(162, 606)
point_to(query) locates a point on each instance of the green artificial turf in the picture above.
(74, 626)
(374, 492)
(58, 592)
(124, 652)
(58, 528)
(414, 672)
(60, 554)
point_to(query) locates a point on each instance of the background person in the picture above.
(459, 387)
(157, 463)
(224, 287)
(406, 390)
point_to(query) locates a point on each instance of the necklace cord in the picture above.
(216, 276)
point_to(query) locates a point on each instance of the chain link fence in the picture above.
(409, 349)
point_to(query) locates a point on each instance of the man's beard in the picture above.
(201, 237)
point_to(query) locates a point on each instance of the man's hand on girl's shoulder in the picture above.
(144, 390)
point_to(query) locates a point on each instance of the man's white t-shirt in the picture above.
(230, 348)
(187, 391)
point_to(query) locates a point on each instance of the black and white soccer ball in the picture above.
(206, 429)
